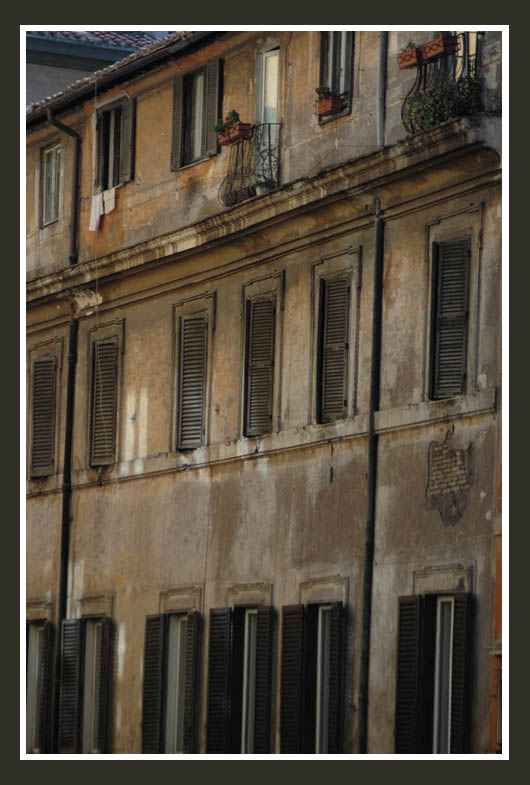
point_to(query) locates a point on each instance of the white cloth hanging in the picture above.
(96, 211)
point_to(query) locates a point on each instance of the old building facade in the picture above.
(263, 494)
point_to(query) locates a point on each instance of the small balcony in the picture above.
(253, 166)
(446, 85)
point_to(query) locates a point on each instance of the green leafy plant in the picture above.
(323, 91)
(231, 118)
(430, 108)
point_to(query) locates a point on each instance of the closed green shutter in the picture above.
(460, 672)
(336, 662)
(333, 365)
(192, 380)
(71, 678)
(218, 709)
(262, 707)
(104, 399)
(450, 317)
(291, 680)
(153, 685)
(408, 709)
(178, 112)
(260, 366)
(213, 100)
(128, 116)
(43, 416)
(190, 687)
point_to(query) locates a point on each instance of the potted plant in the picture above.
(232, 129)
(327, 102)
(410, 55)
(442, 44)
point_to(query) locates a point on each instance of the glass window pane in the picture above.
(249, 681)
(57, 183)
(322, 712)
(197, 115)
(175, 681)
(271, 62)
(33, 688)
(442, 699)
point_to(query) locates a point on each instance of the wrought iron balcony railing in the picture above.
(446, 87)
(253, 166)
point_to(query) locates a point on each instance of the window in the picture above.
(192, 372)
(239, 679)
(51, 183)
(115, 144)
(334, 307)
(86, 680)
(433, 674)
(267, 131)
(312, 664)
(38, 652)
(336, 68)
(104, 400)
(43, 401)
(171, 665)
(196, 107)
(259, 376)
(451, 260)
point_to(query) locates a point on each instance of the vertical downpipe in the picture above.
(381, 89)
(375, 374)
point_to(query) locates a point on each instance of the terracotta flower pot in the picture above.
(439, 46)
(330, 105)
(409, 57)
(233, 133)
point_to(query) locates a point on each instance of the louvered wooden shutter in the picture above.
(291, 687)
(190, 687)
(45, 686)
(217, 738)
(335, 300)
(43, 417)
(192, 380)
(176, 137)
(100, 154)
(105, 687)
(235, 693)
(260, 366)
(450, 317)
(336, 660)
(127, 140)
(152, 701)
(213, 98)
(460, 672)
(309, 678)
(262, 706)
(407, 724)
(104, 397)
(70, 703)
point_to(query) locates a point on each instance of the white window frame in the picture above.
(55, 154)
(176, 683)
(249, 681)
(438, 675)
(322, 689)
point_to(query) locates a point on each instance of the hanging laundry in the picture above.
(96, 211)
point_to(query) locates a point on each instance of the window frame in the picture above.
(52, 348)
(182, 131)
(37, 712)
(327, 55)
(122, 168)
(55, 148)
(178, 707)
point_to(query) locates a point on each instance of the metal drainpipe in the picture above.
(381, 88)
(75, 185)
(69, 424)
(375, 374)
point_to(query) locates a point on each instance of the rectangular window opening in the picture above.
(442, 675)
(194, 116)
(33, 687)
(323, 670)
(176, 681)
(249, 681)
(92, 678)
(51, 179)
(111, 147)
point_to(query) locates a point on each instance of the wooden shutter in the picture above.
(217, 739)
(335, 300)
(336, 660)
(178, 112)
(192, 380)
(291, 687)
(152, 700)
(190, 687)
(104, 397)
(309, 679)
(105, 687)
(213, 96)
(450, 317)
(43, 417)
(45, 683)
(460, 672)
(100, 153)
(127, 140)
(235, 693)
(260, 366)
(262, 707)
(71, 678)
(407, 723)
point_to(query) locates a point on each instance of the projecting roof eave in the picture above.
(143, 59)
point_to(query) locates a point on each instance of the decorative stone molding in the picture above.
(95, 605)
(249, 594)
(447, 578)
(181, 598)
(331, 589)
(36, 610)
